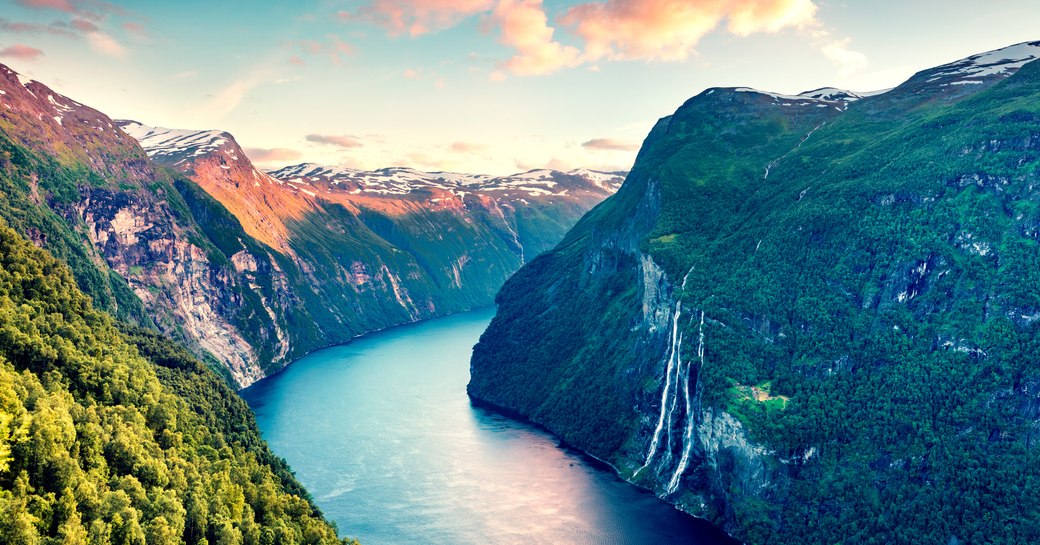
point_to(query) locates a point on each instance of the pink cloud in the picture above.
(135, 28)
(84, 25)
(60, 5)
(649, 30)
(335, 48)
(668, 30)
(56, 28)
(296, 61)
(334, 140)
(268, 155)
(467, 147)
(524, 27)
(105, 44)
(609, 144)
(417, 17)
(339, 46)
(98, 9)
(23, 52)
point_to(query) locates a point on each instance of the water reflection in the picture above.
(383, 435)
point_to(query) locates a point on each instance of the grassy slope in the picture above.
(918, 407)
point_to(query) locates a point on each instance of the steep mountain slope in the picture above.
(349, 252)
(100, 445)
(244, 268)
(78, 186)
(806, 320)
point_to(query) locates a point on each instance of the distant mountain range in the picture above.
(178, 230)
(807, 318)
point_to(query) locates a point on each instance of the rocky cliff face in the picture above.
(249, 269)
(787, 318)
(351, 251)
(98, 186)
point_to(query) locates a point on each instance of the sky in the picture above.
(488, 86)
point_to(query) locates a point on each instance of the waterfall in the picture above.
(673, 484)
(677, 356)
(670, 398)
(667, 387)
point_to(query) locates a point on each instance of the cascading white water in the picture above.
(670, 398)
(673, 484)
(677, 354)
(667, 387)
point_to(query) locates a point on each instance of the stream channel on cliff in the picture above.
(383, 435)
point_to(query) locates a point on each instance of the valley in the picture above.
(402, 272)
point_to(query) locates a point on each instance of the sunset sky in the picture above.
(493, 86)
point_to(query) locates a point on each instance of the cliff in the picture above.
(805, 318)
(248, 270)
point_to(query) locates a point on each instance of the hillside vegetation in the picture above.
(856, 306)
(124, 438)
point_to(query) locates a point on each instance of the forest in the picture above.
(112, 434)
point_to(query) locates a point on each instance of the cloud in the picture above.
(607, 30)
(83, 25)
(95, 10)
(270, 155)
(225, 101)
(416, 17)
(185, 74)
(334, 140)
(339, 46)
(668, 30)
(467, 147)
(848, 61)
(524, 27)
(60, 5)
(56, 28)
(105, 44)
(136, 29)
(336, 49)
(609, 144)
(23, 52)
(411, 73)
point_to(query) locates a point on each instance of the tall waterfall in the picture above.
(672, 357)
(670, 400)
(673, 484)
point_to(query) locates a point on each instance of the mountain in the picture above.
(111, 437)
(79, 187)
(351, 251)
(250, 271)
(807, 318)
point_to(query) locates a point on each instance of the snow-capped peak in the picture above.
(999, 62)
(831, 93)
(160, 141)
(402, 180)
(824, 97)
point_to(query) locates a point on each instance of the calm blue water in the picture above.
(383, 435)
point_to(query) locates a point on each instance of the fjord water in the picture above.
(383, 435)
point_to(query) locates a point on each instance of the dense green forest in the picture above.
(121, 437)
(869, 282)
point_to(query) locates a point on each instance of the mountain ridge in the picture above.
(790, 314)
(250, 271)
